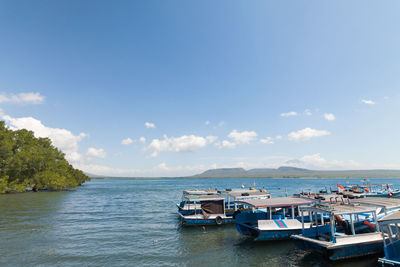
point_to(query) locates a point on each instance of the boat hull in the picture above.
(201, 220)
(342, 252)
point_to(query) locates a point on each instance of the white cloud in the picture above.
(278, 137)
(306, 134)
(368, 102)
(149, 125)
(227, 144)
(307, 112)
(329, 116)
(22, 98)
(244, 137)
(96, 153)
(185, 143)
(161, 169)
(142, 140)
(127, 141)
(221, 123)
(63, 139)
(289, 114)
(207, 123)
(267, 140)
(316, 162)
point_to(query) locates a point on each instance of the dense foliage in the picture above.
(30, 163)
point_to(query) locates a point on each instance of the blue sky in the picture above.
(310, 84)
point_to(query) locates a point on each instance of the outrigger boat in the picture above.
(190, 206)
(206, 208)
(390, 226)
(212, 211)
(351, 230)
(271, 219)
(371, 190)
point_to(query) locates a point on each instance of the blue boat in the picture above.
(373, 190)
(212, 211)
(390, 228)
(351, 230)
(271, 219)
(190, 206)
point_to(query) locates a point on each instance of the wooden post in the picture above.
(352, 224)
(376, 221)
(332, 219)
(316, 218)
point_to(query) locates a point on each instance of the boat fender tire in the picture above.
(218, 220)
(235, 213)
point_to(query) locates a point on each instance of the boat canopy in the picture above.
(201, 192)
(382, 202)
(275, 202)
(394, 217)
(204, 197)
(339, 209)
(250, 193)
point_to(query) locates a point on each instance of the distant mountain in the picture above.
(293, 172)
(225, 172)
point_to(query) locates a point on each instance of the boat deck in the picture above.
(384, 202)
(345, 240)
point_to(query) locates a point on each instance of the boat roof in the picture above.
(383, 202)
(203, 197)
(340, 208)
(200, 192)
(392, 217)
(275, 202)
(320, 197)
(249, 193)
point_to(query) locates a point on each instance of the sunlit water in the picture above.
(133, 222)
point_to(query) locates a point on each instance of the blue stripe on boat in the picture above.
(277, 223)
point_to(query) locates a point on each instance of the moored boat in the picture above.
(390, 227)
(270, 219)
(351, 231)
(212, 211)
(190, 206)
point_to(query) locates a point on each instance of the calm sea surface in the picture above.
(133, 222)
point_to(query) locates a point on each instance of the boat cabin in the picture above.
(270, 219)
(350, 231)
(209, 210)
(390, 227)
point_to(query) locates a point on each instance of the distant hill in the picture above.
(292, 172)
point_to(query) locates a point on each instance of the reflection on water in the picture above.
(134, 222)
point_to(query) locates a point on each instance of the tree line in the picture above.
(30, 163)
